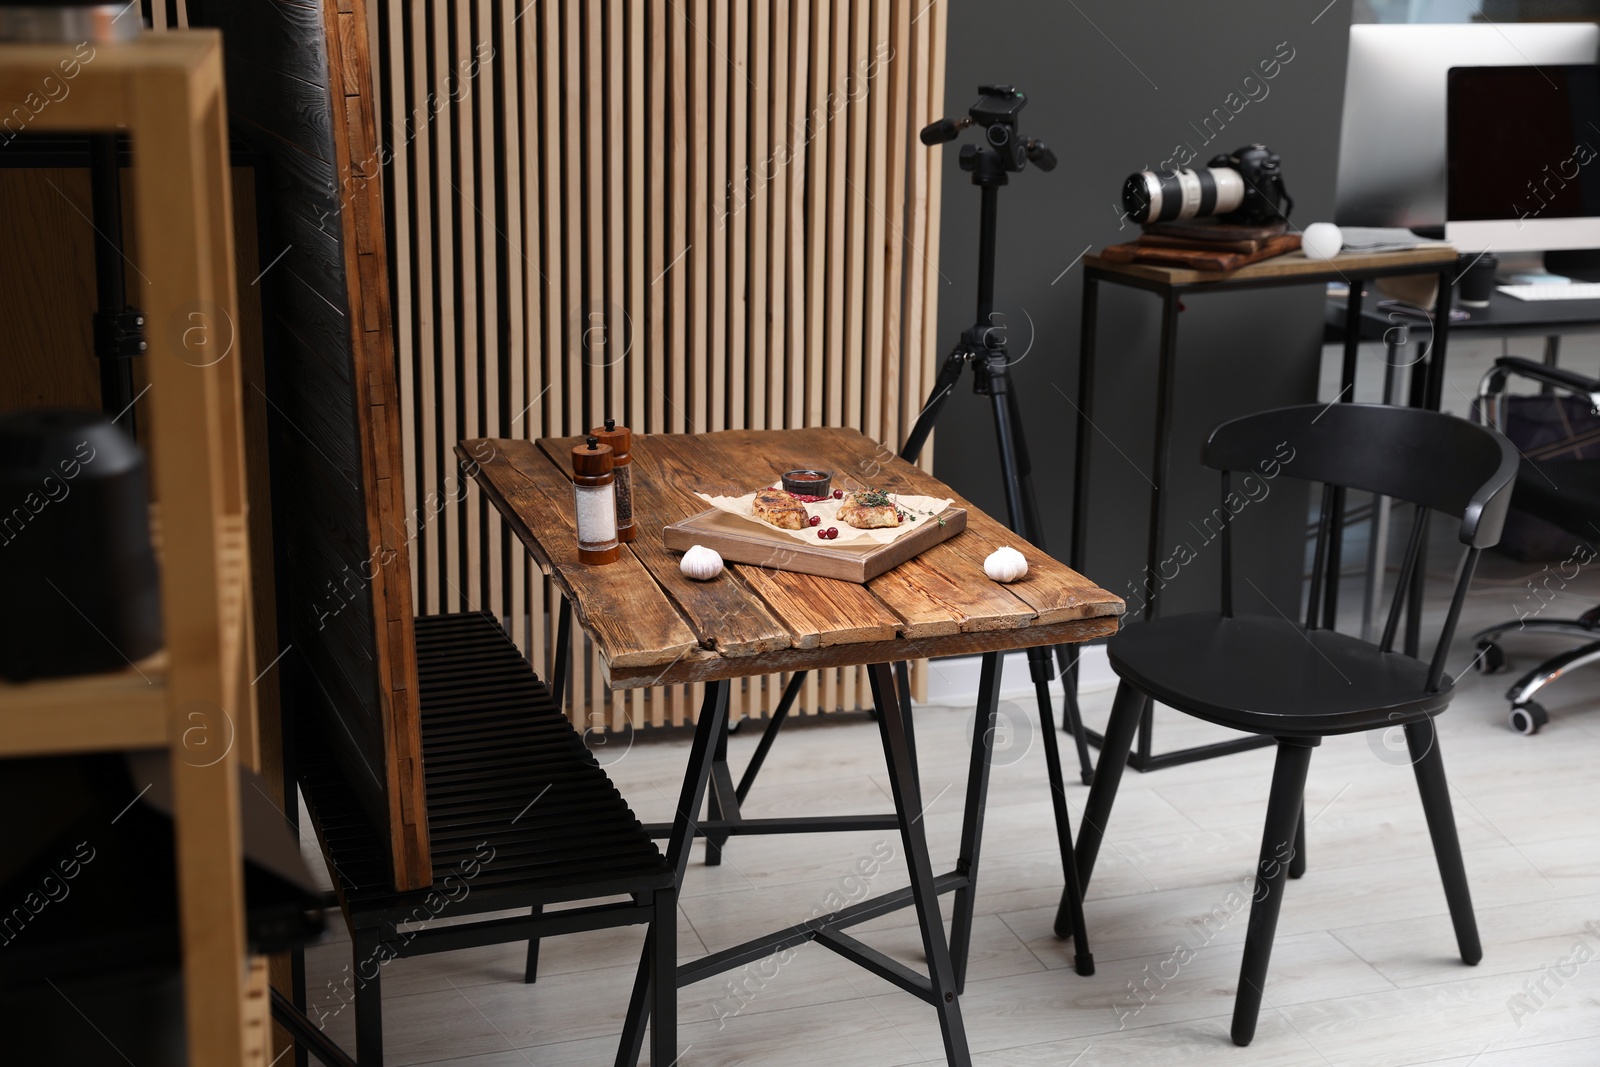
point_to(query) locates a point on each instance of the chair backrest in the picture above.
(1432, 460)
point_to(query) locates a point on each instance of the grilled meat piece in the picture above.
(781, 509)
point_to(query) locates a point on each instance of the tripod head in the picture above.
(1006, 151)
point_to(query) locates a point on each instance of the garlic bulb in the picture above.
(1005, 564)
(702, 563)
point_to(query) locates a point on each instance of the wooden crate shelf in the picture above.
(124, 709)
(165, 92)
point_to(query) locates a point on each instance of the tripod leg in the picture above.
(1023, 511)
(943, 386)
(1067, 660)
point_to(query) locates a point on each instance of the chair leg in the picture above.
(1277, 844)
(638, 1017)
(1097, 810)
(1423, 740)
(664, 980)
(369, 998)
(530, 974)
(1297, 862)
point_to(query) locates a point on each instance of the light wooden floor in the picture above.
(1364, 973)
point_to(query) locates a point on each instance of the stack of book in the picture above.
(1205, 244)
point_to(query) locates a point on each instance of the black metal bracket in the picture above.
(119, 334)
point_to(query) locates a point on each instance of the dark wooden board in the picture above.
(296, 95)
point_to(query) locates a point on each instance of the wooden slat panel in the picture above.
(683, 215)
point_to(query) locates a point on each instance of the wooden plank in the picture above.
(182, 213)
(718, 233)
(880, 371)
(737, 211)
(858, 209)
(783, 168)
(92, 713)
(758, 196)
(616, 263)
(660, 356)
(634, 623)
(706, 666)
(679, 273)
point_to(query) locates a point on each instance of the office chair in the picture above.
(1564, 492)
(1266, 674)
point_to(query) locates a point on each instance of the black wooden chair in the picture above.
(1267, 674)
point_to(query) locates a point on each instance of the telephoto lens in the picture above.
(1150, 196)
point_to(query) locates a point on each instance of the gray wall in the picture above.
(1113, 87)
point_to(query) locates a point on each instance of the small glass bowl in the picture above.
(808, 482)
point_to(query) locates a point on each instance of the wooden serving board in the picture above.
(745, 541)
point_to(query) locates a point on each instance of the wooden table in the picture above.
(654, 627)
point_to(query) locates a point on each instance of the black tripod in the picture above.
(983, 346)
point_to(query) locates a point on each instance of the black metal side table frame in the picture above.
(1426, 391)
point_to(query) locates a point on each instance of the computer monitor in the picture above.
(1392, 142)
(1523, 158)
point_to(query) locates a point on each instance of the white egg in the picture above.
(1321, 240)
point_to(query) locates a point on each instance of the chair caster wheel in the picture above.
(1491, 658)
(1527, 718)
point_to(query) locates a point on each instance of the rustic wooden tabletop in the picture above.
(656, 627)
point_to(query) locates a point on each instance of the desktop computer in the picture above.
(1392, 141)
(1522, 151)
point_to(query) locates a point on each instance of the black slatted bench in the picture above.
(520, 816)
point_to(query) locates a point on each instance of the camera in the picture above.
(1244, 186)
(996, 111)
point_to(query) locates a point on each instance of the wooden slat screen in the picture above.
(684, 214)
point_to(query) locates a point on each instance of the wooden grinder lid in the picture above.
(620, 438)
(591, 461)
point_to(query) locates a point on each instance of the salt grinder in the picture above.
(595, 497)
(620, 438)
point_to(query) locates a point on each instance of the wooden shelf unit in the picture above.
(165, 91)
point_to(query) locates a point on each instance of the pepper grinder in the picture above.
(620, 438)
(595, 497)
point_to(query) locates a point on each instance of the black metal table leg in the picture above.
(711, 723)
(924, 893)
(791, 693)
(563, 658)
(983, 727)
(721, 801)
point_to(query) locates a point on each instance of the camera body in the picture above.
(1244, 186)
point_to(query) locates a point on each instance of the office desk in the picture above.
(655, 627)
(1170, 284)
(1505, 316)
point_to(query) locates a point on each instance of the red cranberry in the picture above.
(838, 494)
(815, 520)
(833, 533)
